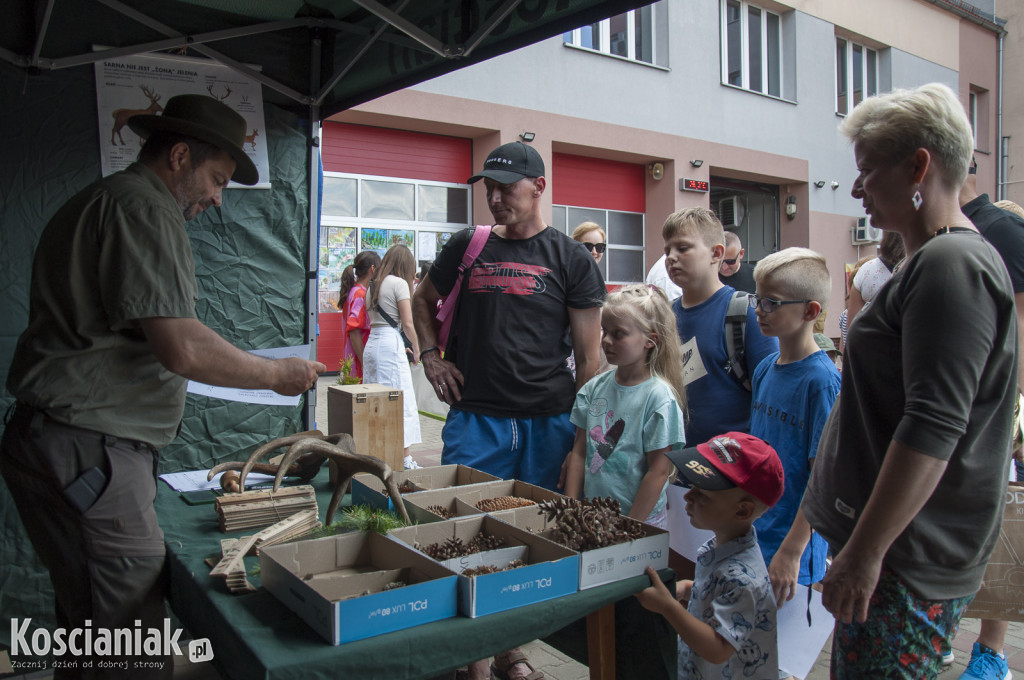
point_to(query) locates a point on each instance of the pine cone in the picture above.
(441, 511)
(483, 542)
(503, 503)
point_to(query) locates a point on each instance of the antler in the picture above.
(270, 447)
(305, 468)
(339, 449)
(306, 452)
(149, 93)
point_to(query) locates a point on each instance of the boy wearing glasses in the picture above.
(717, 401)
(794, 390)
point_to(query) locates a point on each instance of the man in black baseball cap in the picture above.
(529, 297)
(100, 372)
(510, 163)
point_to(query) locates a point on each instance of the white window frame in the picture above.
(850, 86)
(745, 45)
(358, 220)
(575, 37)
(611, 248)
(972, 113)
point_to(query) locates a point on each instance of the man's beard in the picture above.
(186, 193)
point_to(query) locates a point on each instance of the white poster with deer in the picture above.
(127, 86)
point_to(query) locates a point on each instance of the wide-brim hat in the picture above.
(208, 120)
(733, 459)
(510, 163)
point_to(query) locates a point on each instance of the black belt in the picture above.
(35, 417)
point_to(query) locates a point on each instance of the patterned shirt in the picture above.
(732, 594)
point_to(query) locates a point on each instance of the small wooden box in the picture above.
(372, 414)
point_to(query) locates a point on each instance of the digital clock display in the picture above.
(693, 185)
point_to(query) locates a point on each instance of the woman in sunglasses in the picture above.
(591, 235)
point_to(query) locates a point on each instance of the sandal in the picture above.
(514, 658)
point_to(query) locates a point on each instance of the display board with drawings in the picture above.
(142, 84)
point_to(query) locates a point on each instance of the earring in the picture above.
(917, 199)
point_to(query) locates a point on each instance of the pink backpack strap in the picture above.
(445, 314)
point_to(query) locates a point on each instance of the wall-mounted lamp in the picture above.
(527, 137)
(697, 162)
(657, 170)
(820, 183)
(791, 207)
(834, 185)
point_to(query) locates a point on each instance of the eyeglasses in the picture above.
(769, 305)
(731, 262)
(599, 247)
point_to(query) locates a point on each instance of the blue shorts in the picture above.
(528, 449)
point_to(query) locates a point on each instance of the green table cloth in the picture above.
(255, 636)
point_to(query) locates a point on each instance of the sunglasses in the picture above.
(599, 247)
(769, 305)
(732, 261)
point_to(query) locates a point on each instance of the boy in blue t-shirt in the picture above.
(794, 390)
(717, 401)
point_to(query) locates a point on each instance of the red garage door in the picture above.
(364, 150)
(597, 183)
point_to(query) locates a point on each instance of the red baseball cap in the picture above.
(737, 459)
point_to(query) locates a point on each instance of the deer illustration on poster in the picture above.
(227, 92)
(251, 139)
(121, 116)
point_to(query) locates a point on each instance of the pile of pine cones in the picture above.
(441, 511)
(503, 503)
(406, 487)
(454, 547)
(589, 524)
(491, 569)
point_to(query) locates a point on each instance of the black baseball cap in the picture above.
(510, 163)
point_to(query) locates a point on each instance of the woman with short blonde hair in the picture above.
(907, 484)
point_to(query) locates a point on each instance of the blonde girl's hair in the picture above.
(585, 228)
(649, 307)
(398, 261)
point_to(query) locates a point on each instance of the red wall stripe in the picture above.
(331, 343)
(365, 150)
(597, 183)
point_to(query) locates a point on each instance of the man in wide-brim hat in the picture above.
(99, 374)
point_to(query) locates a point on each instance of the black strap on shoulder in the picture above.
(391, 322)
(735, 338)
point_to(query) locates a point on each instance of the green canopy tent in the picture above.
(255, 255)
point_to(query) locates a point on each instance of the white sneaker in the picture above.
(410, 464)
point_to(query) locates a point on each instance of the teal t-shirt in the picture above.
(622, 424)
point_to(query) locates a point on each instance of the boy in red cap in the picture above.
(728, 628)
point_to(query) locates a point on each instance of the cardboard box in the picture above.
(551, 571)
(601, 565)
(369, 490)
(322, 579)
(1001, 596)
(372, 414)
(461, 501)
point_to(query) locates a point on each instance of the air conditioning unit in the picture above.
(731, 212)
(864, 233)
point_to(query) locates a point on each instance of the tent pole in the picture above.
(313, 255)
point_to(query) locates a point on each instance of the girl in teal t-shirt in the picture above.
(626, 419)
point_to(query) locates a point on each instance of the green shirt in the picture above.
(115, 253)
